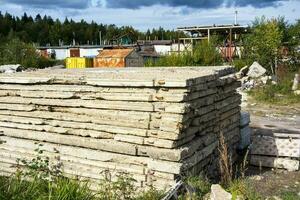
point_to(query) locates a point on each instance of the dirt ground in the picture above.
(277, 184)
(274, 184)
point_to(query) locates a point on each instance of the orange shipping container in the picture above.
(118, 58)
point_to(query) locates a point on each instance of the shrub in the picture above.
(240, 63)
(17, 52)
(280, 93)
(204, 54)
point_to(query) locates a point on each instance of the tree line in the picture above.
(48, 31)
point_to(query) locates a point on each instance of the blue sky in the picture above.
(144, 14)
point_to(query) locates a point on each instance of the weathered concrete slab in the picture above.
(272, 146)
(275, 162)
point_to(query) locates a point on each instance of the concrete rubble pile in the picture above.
(253, 76)
(156, 124)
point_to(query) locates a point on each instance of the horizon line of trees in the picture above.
(48, 31)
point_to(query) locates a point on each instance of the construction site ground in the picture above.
(266, 119)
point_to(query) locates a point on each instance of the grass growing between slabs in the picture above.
(40, 179)
(18, 187)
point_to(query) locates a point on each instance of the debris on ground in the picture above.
(218, 193)
(296, 82)
(253, 76)
(243, 72)
(56, 67)
(10, 68)
(256, 70)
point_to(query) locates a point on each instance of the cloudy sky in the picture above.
(144, 14)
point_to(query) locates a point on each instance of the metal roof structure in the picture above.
(82, 46)
(155, 42)
(219, 29)
(231, 33)
(115, 53)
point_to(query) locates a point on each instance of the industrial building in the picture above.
(232, 38)
(63, 52)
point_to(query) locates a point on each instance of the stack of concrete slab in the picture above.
(155, 124)
(276, 150)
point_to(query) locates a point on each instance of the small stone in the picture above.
(218, 193)
(297, 92)
(276, 198)
(257, 178)
(265, 79)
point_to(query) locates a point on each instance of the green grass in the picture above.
(204, 54)
(200, 184)
(37, 179)
(290, 195)
(280, 94)
(242, 188)
(17, 187)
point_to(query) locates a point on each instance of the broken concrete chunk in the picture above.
(256, 70)
(218, 193)
(10, 68)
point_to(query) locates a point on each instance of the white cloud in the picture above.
(155, 16)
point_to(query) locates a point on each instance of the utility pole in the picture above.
(235, 17)
(74, 42)
(235, 23)
(100, 37)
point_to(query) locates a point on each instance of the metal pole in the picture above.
(230, 45)
(208, 35)
(100, 37)
(235, 18)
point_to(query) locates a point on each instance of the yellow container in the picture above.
(77, 62)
